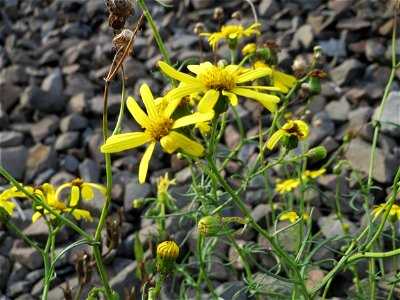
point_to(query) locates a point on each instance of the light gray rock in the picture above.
(67, 140)
(390, 114)
(14, 160)
(347, 72)
(303, 37)
(45, 127)
(73, 122)
(41, 158)
(89, 171)
(338, 110)
(11, 138)
(27, 256)
(53, 83)
(135, 190)
(267, 8)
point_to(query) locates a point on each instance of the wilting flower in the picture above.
(159, 127)
(215, 81)
(46, 194)
(231, 33)
(167, 253)
(313, 174)
(78, 188)
(281, 80)
(292, 216)
(394, 214)
(287, 185)
(297, 129)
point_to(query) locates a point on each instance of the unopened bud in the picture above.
(218, 13)
(317, 153)
(317, 52)
(199, 28)
(237, 15)
(209, 226)
(222, 63)
(167, 253)
(338, 168)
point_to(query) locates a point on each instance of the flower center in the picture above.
(230, 29)
(293, 129)
(215, 78)
(77, 182)
(159, 128)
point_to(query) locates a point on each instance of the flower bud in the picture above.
(122, 40)
(209, 226)
(167, 253)
(199, 28)
(317, 153)
(237, 15)
(338, 168)
(218, 13)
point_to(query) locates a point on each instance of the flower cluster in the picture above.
(290, 184)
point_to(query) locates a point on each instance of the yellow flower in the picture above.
(230, 32)
(215, 81)
(5, 202)
(167, 253)
(47, 195)
(78, 188)
(287, 185)
(281, 80)
(313, 174)
(297, 128)
(292, 216)
(159, 127)
(249, 49)
(204, 127)
(394, 214)
(163, 184)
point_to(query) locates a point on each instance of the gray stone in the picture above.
(53, 83)
(360, 116)
(41, 158)
(25, 296)
(15, 74)
(334, 47)
(11, 138)
(267, 8)
(14, 159)
(5, 268)
(4, 120)
(390, 114)
(79, 83)
(39, 232)
(35, 98)
(125, 278)
(347, 72)
(35, 276)
(95, 142)
(77, 104)
(9, 94)
(183, 175)
(70, 163)
(375, 51)
(338, 110)
(303, 37)
(95, 104)
(73, 122)
(44, 128)
(27, 256)
(385, 164)
(18, 288)
(231, 137)
(322, 126)
(67, 140)
(135, 190)
(232, 290)
(89, 171)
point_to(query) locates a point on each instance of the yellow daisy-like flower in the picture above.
(78, 188)
(47, 195)
(231, 32)
(294, 128)
(292, 216)
(249, 49)
(5, 202)
(313, 174)
(159, 127)
(287, 186)
(214, 81)
(281, 80)
(394, 214)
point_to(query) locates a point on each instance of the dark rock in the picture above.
(35, 276)
(41, 158)
(18, 288)
(70, 163)
(5, 267)
(27, 256)
(125, 278)
(14, 160)
(78, 83)
(35, 98)
(53, 83)
(11, 138)
(359, 117)
(232, 290)
(15, 74)
(338, 110)
(89, 171)
(44, 128)
(67, 140)
(9, 94)
(322, 126)
(49, 57)
(345, 73)
(334, 47)
(95, 104)
(390, 114)
(375, 51)
(385, 164)
(4, 121)
(73, 122)
(135, 190)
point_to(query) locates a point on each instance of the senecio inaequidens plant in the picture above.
(189, 121)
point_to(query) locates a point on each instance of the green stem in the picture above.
(203, 272)
(154, 292)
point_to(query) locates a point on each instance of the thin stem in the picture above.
(154, 292)
(203, 272)
(24, 237)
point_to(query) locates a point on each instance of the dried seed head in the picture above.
(116, 22)
(122, 8)
(237, 15)
(121, 40)
(199, 28)
(218, 13)
(83, 268)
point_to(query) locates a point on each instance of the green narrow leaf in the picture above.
(139, 255)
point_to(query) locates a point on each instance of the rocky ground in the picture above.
(54, 55)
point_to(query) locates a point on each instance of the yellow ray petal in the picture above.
(170, 71)
(265, 99)
(137, 113)
(124, 141)
(197, 69)
(274, 139)
(232, 97)
(253, 74)
(175, 140)
(208, 101)
(193, 119)
(87, 192)
(35, 216)
(148, 101)
(144, 164)
(74, 196)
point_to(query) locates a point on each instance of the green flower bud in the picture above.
(338, 168)
(167, 253)
(138, 203)
(209, 226)
(317, 153)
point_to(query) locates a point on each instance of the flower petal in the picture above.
(274, 139)
(87, 192)
(148, 101)
(232, 97)
(208, 101)
(193, 119)
(121, 142)
(265, 99)
(137, 113)
(253, 74)
(180, 92)
(144, 164)
(175, 140)
(74, 196)
(170, 71)
(35, 216)
(197, 69)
